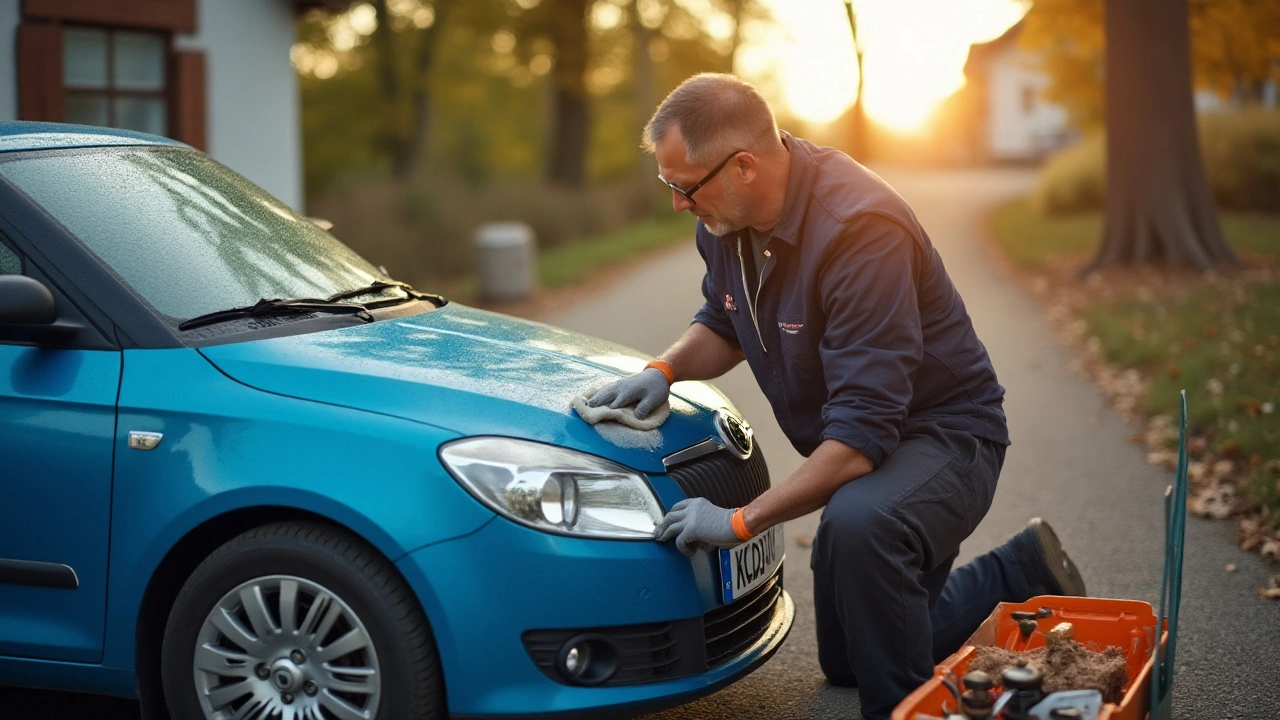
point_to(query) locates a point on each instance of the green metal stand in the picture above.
(1175, 503)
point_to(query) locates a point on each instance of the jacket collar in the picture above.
(803, 170)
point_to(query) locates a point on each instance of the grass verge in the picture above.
(571, 264)
(1216, 335)
(565, 266)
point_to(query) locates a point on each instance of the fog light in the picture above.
(576, 659)
(587, 660)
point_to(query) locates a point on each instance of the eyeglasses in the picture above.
(688, 194)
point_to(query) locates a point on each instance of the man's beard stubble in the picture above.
(734, 216)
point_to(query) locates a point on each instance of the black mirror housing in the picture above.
(25, 301)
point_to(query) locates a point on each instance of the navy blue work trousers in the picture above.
(888, 605)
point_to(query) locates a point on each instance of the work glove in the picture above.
(697, 521)
(647, 389)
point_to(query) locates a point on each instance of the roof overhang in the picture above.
(335, 6)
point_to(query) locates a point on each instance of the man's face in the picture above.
(717, 203)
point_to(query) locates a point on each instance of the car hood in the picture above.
(476, 373)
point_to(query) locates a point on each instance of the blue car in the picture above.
(246, 474)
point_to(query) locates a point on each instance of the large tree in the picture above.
(406, 88)
(859, 139)
(1158, 205)
(1234, 50)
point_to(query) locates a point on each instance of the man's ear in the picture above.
(745, 165)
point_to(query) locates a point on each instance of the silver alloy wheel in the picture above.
(285, 647)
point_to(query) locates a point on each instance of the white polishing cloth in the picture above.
(624, 416)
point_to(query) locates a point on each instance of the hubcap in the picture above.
(282, 642)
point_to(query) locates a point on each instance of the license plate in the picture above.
(745, 567)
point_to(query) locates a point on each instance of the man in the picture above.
(820, 276)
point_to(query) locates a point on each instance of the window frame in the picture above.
(165, 94)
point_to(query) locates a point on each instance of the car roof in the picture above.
(17, 136)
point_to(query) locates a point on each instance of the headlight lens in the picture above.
(555, 489)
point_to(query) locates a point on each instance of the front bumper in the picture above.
(484, 592)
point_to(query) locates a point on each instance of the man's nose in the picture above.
(680, 203)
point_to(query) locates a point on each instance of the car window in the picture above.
(187, 234)
(10, 264)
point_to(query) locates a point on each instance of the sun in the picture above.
(914, 53)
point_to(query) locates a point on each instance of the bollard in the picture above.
(505, 261)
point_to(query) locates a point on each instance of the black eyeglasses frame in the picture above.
(688, 194)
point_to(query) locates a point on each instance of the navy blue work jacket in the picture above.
(857, 327)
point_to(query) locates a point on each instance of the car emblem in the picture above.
(734, 433)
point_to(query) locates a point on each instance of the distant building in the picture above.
(211, 73)
(1013, 122)
(1005, 118)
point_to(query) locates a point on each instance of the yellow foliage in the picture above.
(1235, 48)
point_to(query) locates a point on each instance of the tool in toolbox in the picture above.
(1147, 639)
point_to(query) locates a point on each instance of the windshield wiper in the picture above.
(277, 307)
(377, 285)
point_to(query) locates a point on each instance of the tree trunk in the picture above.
(392, 136)
(858, 141)
(570, 121)
(421, 95)
(737, 11)
(643, 76)
(1158, 205)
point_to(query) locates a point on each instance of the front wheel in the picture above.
(302, 621)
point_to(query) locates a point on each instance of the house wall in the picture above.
(9, 16)
(1016, 132)
(254, 123)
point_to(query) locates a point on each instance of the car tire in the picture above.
(299, 614)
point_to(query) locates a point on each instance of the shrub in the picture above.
(423, 231)
(1241, 153)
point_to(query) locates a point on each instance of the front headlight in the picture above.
(555, 489)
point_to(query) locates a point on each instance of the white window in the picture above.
(115, 78)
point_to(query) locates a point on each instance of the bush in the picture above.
(1241, 153)
(1073, 179)
(423, 232)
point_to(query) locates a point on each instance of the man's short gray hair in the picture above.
(716, 114)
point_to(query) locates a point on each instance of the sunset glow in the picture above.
(913, 54)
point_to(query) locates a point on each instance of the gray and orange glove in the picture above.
(697, 521)
(647, 390)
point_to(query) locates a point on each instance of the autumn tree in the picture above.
(1158, 206)
(1235, 47)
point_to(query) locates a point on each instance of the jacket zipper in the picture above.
(751, 302)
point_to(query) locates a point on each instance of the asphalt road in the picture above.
(1070, 463)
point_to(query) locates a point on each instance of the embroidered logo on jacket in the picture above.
(790, 328)
(728, 303)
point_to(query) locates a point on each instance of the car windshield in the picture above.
(187, 234)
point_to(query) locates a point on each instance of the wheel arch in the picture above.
(176, 567)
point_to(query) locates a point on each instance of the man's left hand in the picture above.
(697, 521)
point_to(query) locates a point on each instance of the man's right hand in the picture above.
(646, 389)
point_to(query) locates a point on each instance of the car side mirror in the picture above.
(25, 301)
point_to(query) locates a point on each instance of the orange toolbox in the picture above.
(1098, 623)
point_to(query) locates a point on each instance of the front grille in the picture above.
(724, 479)
(730, 629)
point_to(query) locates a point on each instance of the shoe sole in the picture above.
(1064, 571)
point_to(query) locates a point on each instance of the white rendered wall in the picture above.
(1014, 133)
(9, 17)
(253, 123)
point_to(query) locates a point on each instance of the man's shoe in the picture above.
(1048, 568)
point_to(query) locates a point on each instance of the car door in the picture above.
(57, 425)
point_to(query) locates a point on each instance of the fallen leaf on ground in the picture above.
(1231, 567)
(1271, 549)
(803, 540)
(1269, 593)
